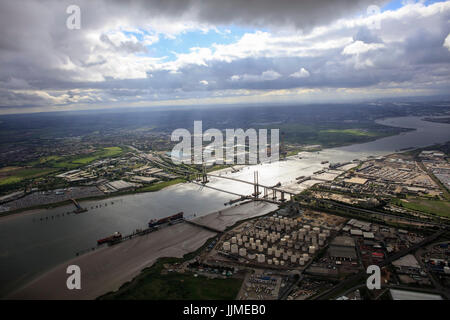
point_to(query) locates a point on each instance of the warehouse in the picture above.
(343, 248)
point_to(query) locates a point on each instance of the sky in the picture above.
(206, 52)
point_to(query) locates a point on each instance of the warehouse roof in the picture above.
(343, 242)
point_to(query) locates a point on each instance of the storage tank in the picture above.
(239, 242)
(261, 258)
(226, 246)
(234, 248)
(277, 262)
(277, 253)
(269, 251)
(312, 249)
(260, 248)
(281, 263)
(242, 252)
(293, 259)
(233, 240)
(269, 261)
(285, 256)
(301, 261)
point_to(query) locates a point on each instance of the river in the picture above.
(30, 246)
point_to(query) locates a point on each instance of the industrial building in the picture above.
(343, 248)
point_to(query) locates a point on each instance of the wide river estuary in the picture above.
(30, 245)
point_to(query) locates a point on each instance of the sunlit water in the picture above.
(29, 246)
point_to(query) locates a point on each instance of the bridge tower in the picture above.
(204, 176)
(255, 185)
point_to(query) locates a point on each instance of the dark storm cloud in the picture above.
(259, 13)
(38, 52)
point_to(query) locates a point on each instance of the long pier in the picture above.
(203, 226)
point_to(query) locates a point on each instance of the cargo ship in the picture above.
(176, 217)
(115, 237)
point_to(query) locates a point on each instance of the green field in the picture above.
(334, 134)
(160, 185)
(435, 207)
(152, 285)
(76, 162)
(355, 132)
(25, 173)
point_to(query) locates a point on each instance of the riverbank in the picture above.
(107, 269)
(153, 188)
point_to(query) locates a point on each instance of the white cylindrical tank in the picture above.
(245, 238)
(312, 249)
(261, 258)
(242, 252)
(234, 248)
(253, 246)
(281, 263)
(239, 242)
(269, 251)
(247, 245)
(226, 246)
(277, 262)
(293, 259)
(269, 261)
(285, 256)
(233, 240)
(301, 261)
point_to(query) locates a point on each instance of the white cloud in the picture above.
(447, 42)
(359, 47)
(268, 75)
(302, 73)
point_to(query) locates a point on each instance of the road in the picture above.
(359, 276)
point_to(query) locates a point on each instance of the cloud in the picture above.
(359, 47)
(447, 42)
(302, 73)
(303, 45)
(268, 75)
